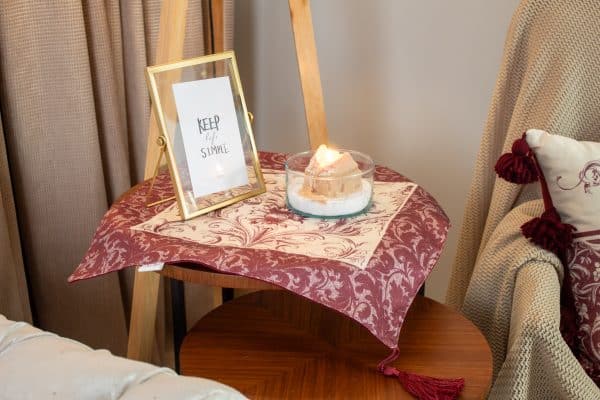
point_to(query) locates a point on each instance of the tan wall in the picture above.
(408, 82)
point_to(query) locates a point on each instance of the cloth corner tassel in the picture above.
(519, 165)
(549, 232)
(422, 387)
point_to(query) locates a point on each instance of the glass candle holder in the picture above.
(332, 196)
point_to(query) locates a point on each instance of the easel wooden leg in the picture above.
(145, 288)
(143, 316)
(308, 67)
(171, 34)
(217, 45)
(170, 48)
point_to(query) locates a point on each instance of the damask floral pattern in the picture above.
(378, 296)
(584, 271)
(265, 223)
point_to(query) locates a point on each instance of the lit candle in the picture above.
(331, 173)
(332, 185)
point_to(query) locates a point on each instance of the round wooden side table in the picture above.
(277, 345)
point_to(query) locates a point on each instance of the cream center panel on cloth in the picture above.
(265, 223)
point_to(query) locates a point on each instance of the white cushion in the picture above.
(572, 172)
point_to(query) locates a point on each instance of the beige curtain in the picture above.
(14, 299)
(75, 109)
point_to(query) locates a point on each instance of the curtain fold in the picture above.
(14, 299)
(75, 111)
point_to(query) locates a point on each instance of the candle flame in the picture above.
(326, 156)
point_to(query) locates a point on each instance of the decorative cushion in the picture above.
(572, 173)
(569, 173)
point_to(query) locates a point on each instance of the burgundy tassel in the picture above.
(422, 387)
(425, 387)
(549, 232)
(517, 166)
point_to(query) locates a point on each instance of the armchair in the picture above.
(514, 299)
(549, 79)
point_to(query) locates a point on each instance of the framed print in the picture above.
(206, 129)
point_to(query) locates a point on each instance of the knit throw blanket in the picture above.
(549, 79)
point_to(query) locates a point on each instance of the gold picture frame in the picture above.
(211, 177)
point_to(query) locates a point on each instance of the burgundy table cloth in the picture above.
(377, 296)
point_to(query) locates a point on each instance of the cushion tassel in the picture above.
(518, 166)
(423, 387)
(549, 232)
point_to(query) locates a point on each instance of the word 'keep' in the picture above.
(208, 123)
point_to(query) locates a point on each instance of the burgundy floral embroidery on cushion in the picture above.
(589, 176)
(584, 271)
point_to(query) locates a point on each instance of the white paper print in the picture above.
(211, 135)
